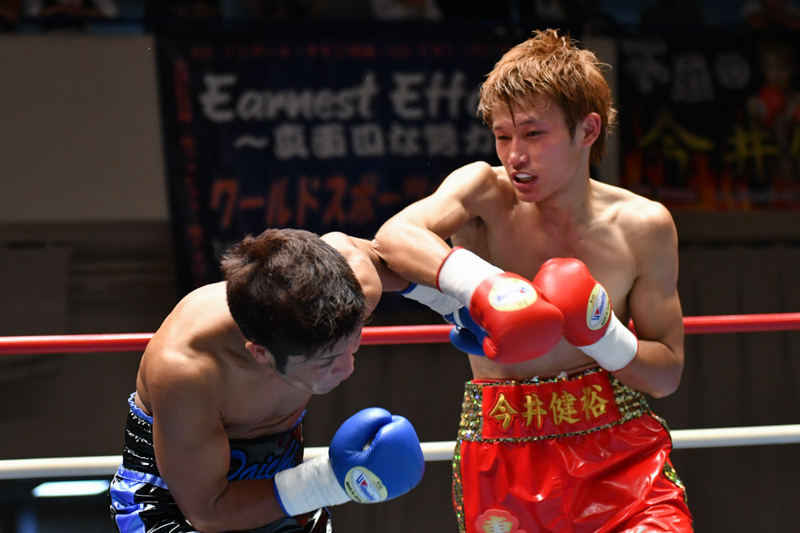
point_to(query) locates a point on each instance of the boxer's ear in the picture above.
(259, 353)
(592, 125)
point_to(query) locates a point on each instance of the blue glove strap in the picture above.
(408, 289)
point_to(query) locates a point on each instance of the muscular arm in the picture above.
(372, 273)
(193, 454)
(656, 310)
(413, 241)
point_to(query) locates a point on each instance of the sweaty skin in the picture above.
(204, 384)
(541, 204)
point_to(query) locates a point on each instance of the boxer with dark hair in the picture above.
(214, 435)
(555, 435)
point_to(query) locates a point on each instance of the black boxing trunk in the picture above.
(142, 503)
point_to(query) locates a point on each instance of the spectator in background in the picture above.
(9, 15)
(775, 107)
(671, 16)
(771, 15)
(70, 14)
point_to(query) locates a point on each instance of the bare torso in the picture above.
(201, 338)
(614, 232)
(521, 239)
(205, 384)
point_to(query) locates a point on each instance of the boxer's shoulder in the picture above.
(478, 180)
(200, 328)
(618, 205)
(203, 300)
(647, 229)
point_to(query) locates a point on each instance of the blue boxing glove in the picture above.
(467, 335)
(373, 457)
(377, 468)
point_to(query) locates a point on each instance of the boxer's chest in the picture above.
(254, 412)
(517, 244)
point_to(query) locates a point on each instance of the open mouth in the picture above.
(524, 178)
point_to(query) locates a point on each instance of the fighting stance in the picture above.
(555, 435)
(214, 435)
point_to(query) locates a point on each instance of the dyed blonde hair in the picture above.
(551, 66)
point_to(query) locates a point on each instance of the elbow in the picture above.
(663, 391)
(668, 384)
(206, 520)
(394, 238)
(204, 525)
(381, 243)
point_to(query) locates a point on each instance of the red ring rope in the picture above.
(136, 342)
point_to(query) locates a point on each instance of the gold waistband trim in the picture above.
(482, 401)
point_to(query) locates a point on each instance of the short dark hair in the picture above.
(292, 293)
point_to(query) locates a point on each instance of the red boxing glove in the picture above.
(589, 322)
(584, 303)
(520, 323)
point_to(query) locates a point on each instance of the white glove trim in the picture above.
(616, 348)
(461, 273)
(433, 298)
(309, 486)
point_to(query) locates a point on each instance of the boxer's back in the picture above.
(199, 339)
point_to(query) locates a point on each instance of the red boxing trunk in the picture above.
(577, 455)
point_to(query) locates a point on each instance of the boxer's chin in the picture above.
(325, 388)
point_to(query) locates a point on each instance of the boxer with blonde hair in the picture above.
(556, 434)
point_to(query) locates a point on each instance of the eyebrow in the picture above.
(308, 359)
(526, 122)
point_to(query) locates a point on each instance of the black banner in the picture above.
(711, 122)
(313, 128)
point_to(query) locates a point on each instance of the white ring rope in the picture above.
(433, 451)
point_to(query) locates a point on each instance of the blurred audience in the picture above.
(770, 15)
(69, 14)
(581, 17)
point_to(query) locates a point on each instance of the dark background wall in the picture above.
(86, 248)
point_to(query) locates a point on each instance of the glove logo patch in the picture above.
(364, 487)
(511, 294)
(598, 311)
